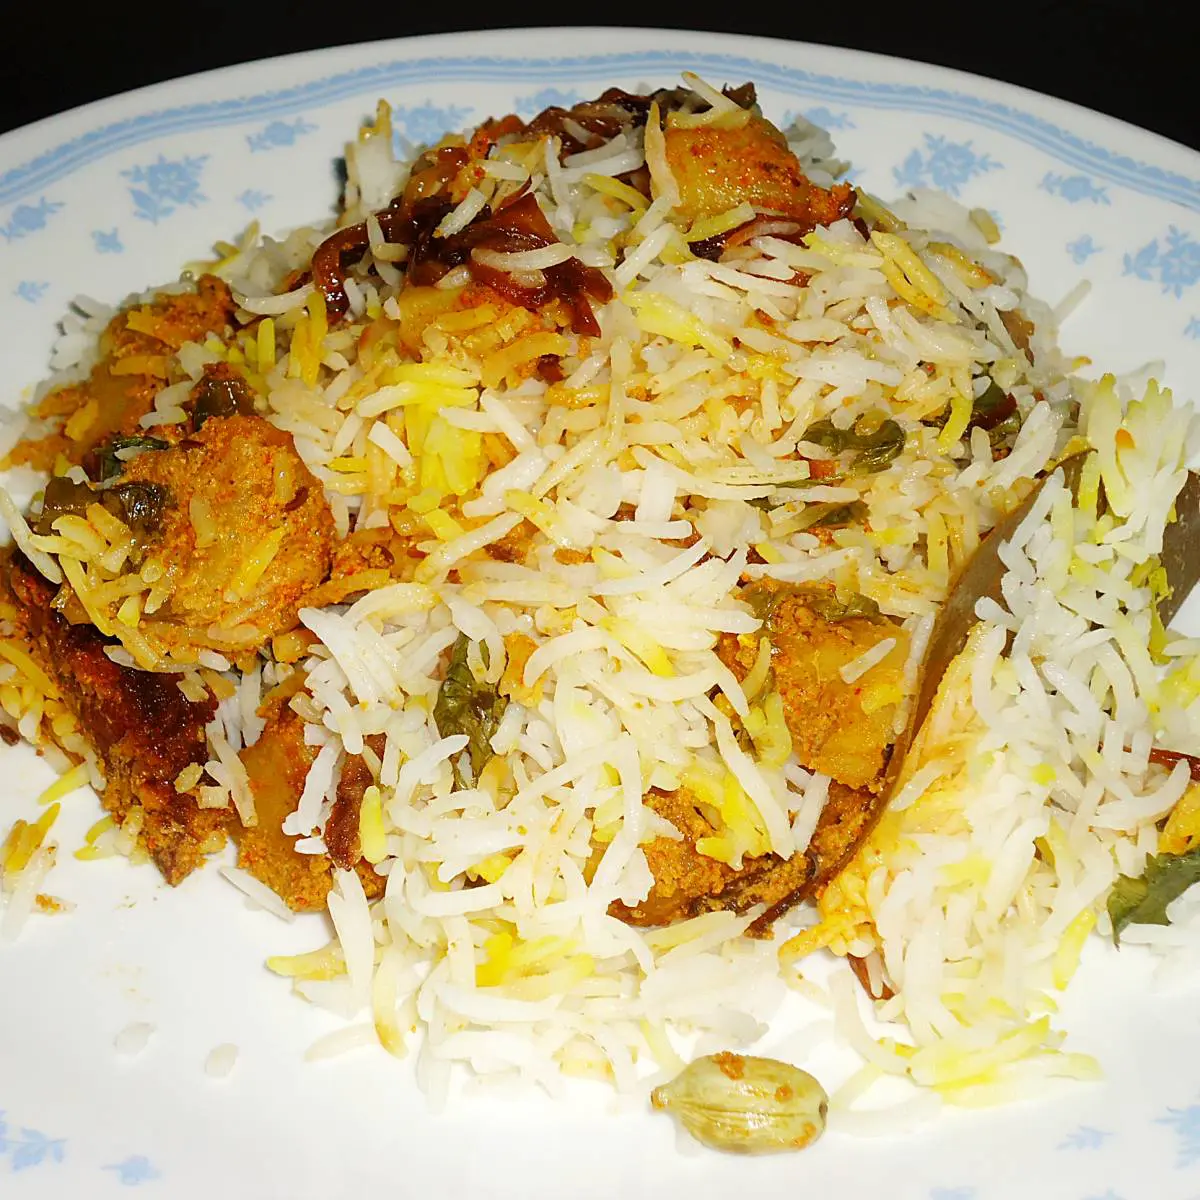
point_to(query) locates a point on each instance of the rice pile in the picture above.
(1029, 790)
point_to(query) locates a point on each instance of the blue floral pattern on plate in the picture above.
(107, 241)
(279, 133)
(425, 124)
(30, 290)
(26, 1148)
(1074, 188)
(943, 164)
(1082, 248)
(1186, 1123)
(532, 103)
(1175, 264)
(134, 1170)
(252, 199)
(29, 218)
(828, 119)
(165, 185)
(1086, 1137)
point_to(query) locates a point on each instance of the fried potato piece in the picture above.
(130, 371)
(515, 545)
(466, 324)
(142, 729)
(277, 765)
(717, 168)
(421, 307)
(369, 557)
(687, 882)
(781, 884)
(683, 877)
(841, 729)
(342, 829)
(246, 533)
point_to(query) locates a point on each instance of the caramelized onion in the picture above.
(518, 227)
(1169, 759)
(784, 228)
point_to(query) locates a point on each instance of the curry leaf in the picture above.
(875, 449)
(831, 607)
(139, 505)
(215, 396)
(834, 513)
(765, 599)
(992, 407)
(1144, 900)
(464, 705)
(109, 460)
(63, 497)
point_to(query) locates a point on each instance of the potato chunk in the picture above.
(717, 168)
(841, 728)
(131, 369)
(245, 534)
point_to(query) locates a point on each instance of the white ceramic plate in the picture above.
(114, 197)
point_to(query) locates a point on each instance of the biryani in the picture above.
(533, 568)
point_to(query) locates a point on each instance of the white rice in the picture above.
(133, 1038)
(257, 894)
(221, 1060)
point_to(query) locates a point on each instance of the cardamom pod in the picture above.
(746, 1104)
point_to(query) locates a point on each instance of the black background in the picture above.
(1134, 61)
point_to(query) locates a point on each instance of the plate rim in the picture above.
(92, 131)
